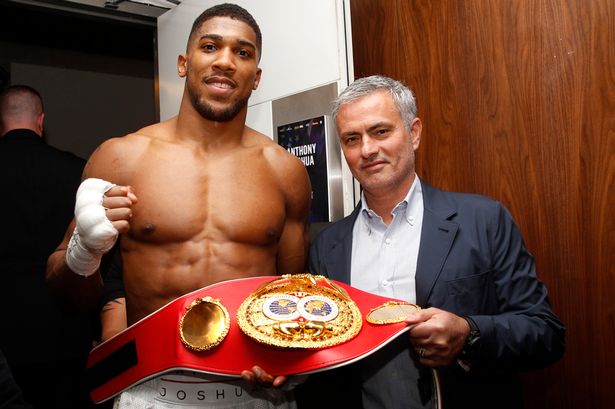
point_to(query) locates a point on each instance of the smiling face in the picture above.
(221, 68)
(377, 146)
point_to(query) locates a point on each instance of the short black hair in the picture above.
(232, 11)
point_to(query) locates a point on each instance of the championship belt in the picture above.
(299, 312)
(291, 324)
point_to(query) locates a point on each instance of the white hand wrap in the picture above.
(94, 234)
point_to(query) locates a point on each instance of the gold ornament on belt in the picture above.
(204, 324)
(300, 311)
(391, 312)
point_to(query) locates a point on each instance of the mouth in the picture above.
(221, 83)
(372, 165)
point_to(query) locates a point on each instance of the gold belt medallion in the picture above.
(300, 311)
(204, 324)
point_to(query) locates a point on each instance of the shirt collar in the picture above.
(414, 201)
(21, 134)
(411, 203)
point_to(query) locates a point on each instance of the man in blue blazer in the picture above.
(461, 257)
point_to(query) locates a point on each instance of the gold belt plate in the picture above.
(300, 311)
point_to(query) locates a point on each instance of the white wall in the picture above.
(300, 47)
(304, 47)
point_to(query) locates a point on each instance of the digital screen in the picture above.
(307, 140)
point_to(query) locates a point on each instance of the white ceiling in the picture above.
(134, 11)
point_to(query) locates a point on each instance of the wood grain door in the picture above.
(517, 99)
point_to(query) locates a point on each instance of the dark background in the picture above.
(97, 74)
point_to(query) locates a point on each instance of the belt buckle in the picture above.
(300, 311)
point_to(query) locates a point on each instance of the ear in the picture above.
(39, 122)
(415, 133)
(182, 65)
(257, 78)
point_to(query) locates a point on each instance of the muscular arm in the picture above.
(113, 318)
(84, 292)
(294, 241)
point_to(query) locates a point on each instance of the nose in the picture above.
(369, 147)
(225, 60)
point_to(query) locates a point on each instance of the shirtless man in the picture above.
(216, 199)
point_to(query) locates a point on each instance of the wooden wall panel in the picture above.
(517, 99)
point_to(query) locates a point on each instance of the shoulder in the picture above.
(72, 162)
(435, 198)
(117, 157)
(54, 159)
(273, 153)
(119, 147)
(465, 207)
(133, 143)
(281, 162)
(65, 157)
(475, 202)
(285, 169)
(338, 230)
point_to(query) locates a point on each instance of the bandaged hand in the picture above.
(95, 234)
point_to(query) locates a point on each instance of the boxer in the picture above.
(216, 199)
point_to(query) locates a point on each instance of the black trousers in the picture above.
(59, 384)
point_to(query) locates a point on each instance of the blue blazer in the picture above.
(472, 261)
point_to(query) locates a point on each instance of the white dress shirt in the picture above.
(384, 257)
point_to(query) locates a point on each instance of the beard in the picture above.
(207, 111)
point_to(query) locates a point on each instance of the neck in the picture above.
(384, 201)
(191, 126)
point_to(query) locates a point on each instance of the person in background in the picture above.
(45, 342)
(485, 314)
(10, 394)
(198, 199)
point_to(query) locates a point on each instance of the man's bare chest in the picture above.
(223, 200)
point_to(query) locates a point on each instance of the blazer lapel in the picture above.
(436, 240)
(337, 259)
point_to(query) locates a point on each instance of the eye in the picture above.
(350, 140)
(244, 53)
(381, 133)
(208, 47)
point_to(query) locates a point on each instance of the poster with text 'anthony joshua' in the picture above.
(307, 140)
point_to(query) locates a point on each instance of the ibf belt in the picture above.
(292, 324)
(300, 311)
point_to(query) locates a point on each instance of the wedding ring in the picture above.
(421, 352)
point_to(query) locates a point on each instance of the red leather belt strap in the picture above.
(152, 346)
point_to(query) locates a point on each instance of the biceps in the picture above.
(113, 318)
(293, 248)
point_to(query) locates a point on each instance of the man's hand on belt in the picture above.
(260, 377)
